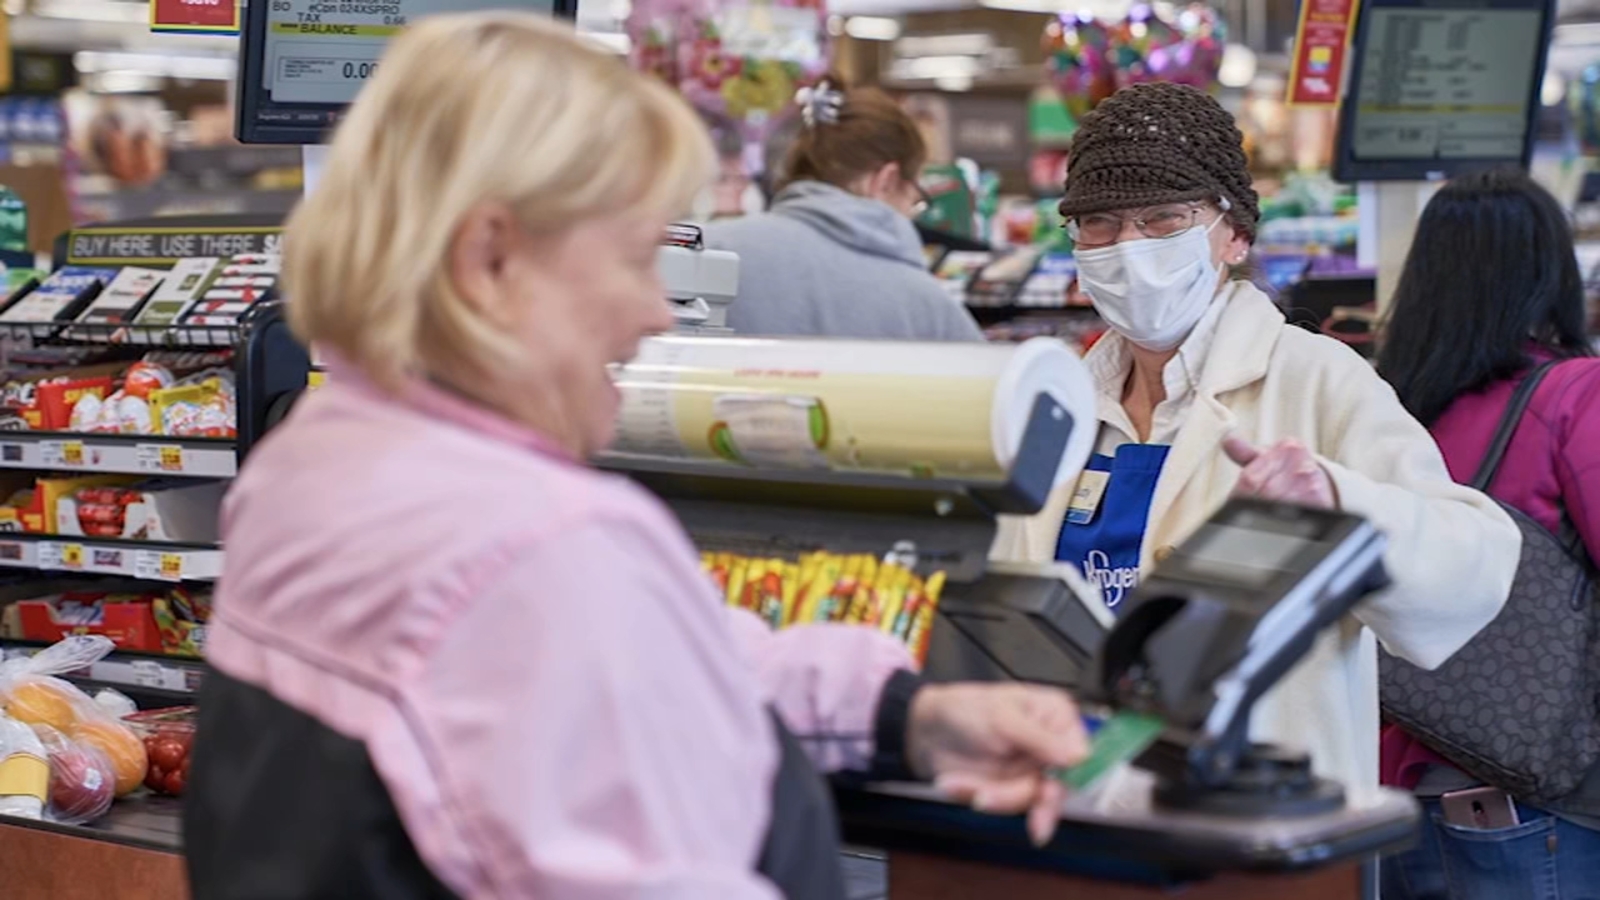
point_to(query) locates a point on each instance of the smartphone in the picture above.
(1483, 808)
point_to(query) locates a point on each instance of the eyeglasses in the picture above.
(924, 200)
(1171, 220)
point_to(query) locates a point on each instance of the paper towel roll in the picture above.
(928, 410)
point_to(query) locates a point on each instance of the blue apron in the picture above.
(1106, 546)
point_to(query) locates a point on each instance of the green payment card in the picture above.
(1121, 738)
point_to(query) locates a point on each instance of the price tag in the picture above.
(49, 556)
(61, 454)
(72, 556)
(148, 673)
(160, 457)
(150, 565)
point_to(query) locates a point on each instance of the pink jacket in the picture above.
(1553, 462)
(1555, 457)
(554, 697)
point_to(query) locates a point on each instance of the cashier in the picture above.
(453, 660)
(1206, 392)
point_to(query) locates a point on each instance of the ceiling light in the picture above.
(1576, 33)
(93, 10)
(126, 82)
(872, 28)
(1104, 10)
(953, 83)
(156, 65)
(933, 67)
(973, 43)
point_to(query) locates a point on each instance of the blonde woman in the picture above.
(451, 659)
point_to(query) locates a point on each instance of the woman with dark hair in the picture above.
(1490, 291)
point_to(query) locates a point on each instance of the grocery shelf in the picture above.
(131, 335)
(176, 676)
(133, 454)
(144, 560)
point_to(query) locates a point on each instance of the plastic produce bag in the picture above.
(82, 780)
(169, 739)
(116, 703)
(32, 695)
(24, 771)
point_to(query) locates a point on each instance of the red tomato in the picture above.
(168, 755)
(175, 782)
(155, 778)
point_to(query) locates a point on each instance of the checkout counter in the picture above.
(778, 448)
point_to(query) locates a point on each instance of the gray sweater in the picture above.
(824, 262)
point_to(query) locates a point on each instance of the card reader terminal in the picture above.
(1216, 625)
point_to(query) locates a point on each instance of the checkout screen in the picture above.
(323, 51)
(1244, 556)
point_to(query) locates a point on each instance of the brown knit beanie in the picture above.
(1156, 143)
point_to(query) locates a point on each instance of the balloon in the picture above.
(743, 61)
(1139, 36)
(1205, 34)
(1200, 21)
(652, 29)
(1085, 60)
(1076, 63)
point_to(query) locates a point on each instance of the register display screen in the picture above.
(303, 61)
(1243, 556)
(1437, 87)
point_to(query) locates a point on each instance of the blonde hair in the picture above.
(465, 110)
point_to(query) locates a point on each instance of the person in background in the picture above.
(837, 254)
(1206, 392)
(450, 658)
(1490, 290)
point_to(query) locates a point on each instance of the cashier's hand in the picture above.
(991, 745)
(1286, 471)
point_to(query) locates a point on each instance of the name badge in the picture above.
(1086, 496)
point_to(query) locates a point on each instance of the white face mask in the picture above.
(1152, 291)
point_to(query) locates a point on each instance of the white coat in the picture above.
(1452, 552)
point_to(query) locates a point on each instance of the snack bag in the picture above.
(32, 695)
(82, 781)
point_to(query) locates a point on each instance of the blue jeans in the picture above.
(1543, 858)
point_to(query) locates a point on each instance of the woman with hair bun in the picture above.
(837, 254)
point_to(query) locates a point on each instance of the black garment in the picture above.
(281, 807)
